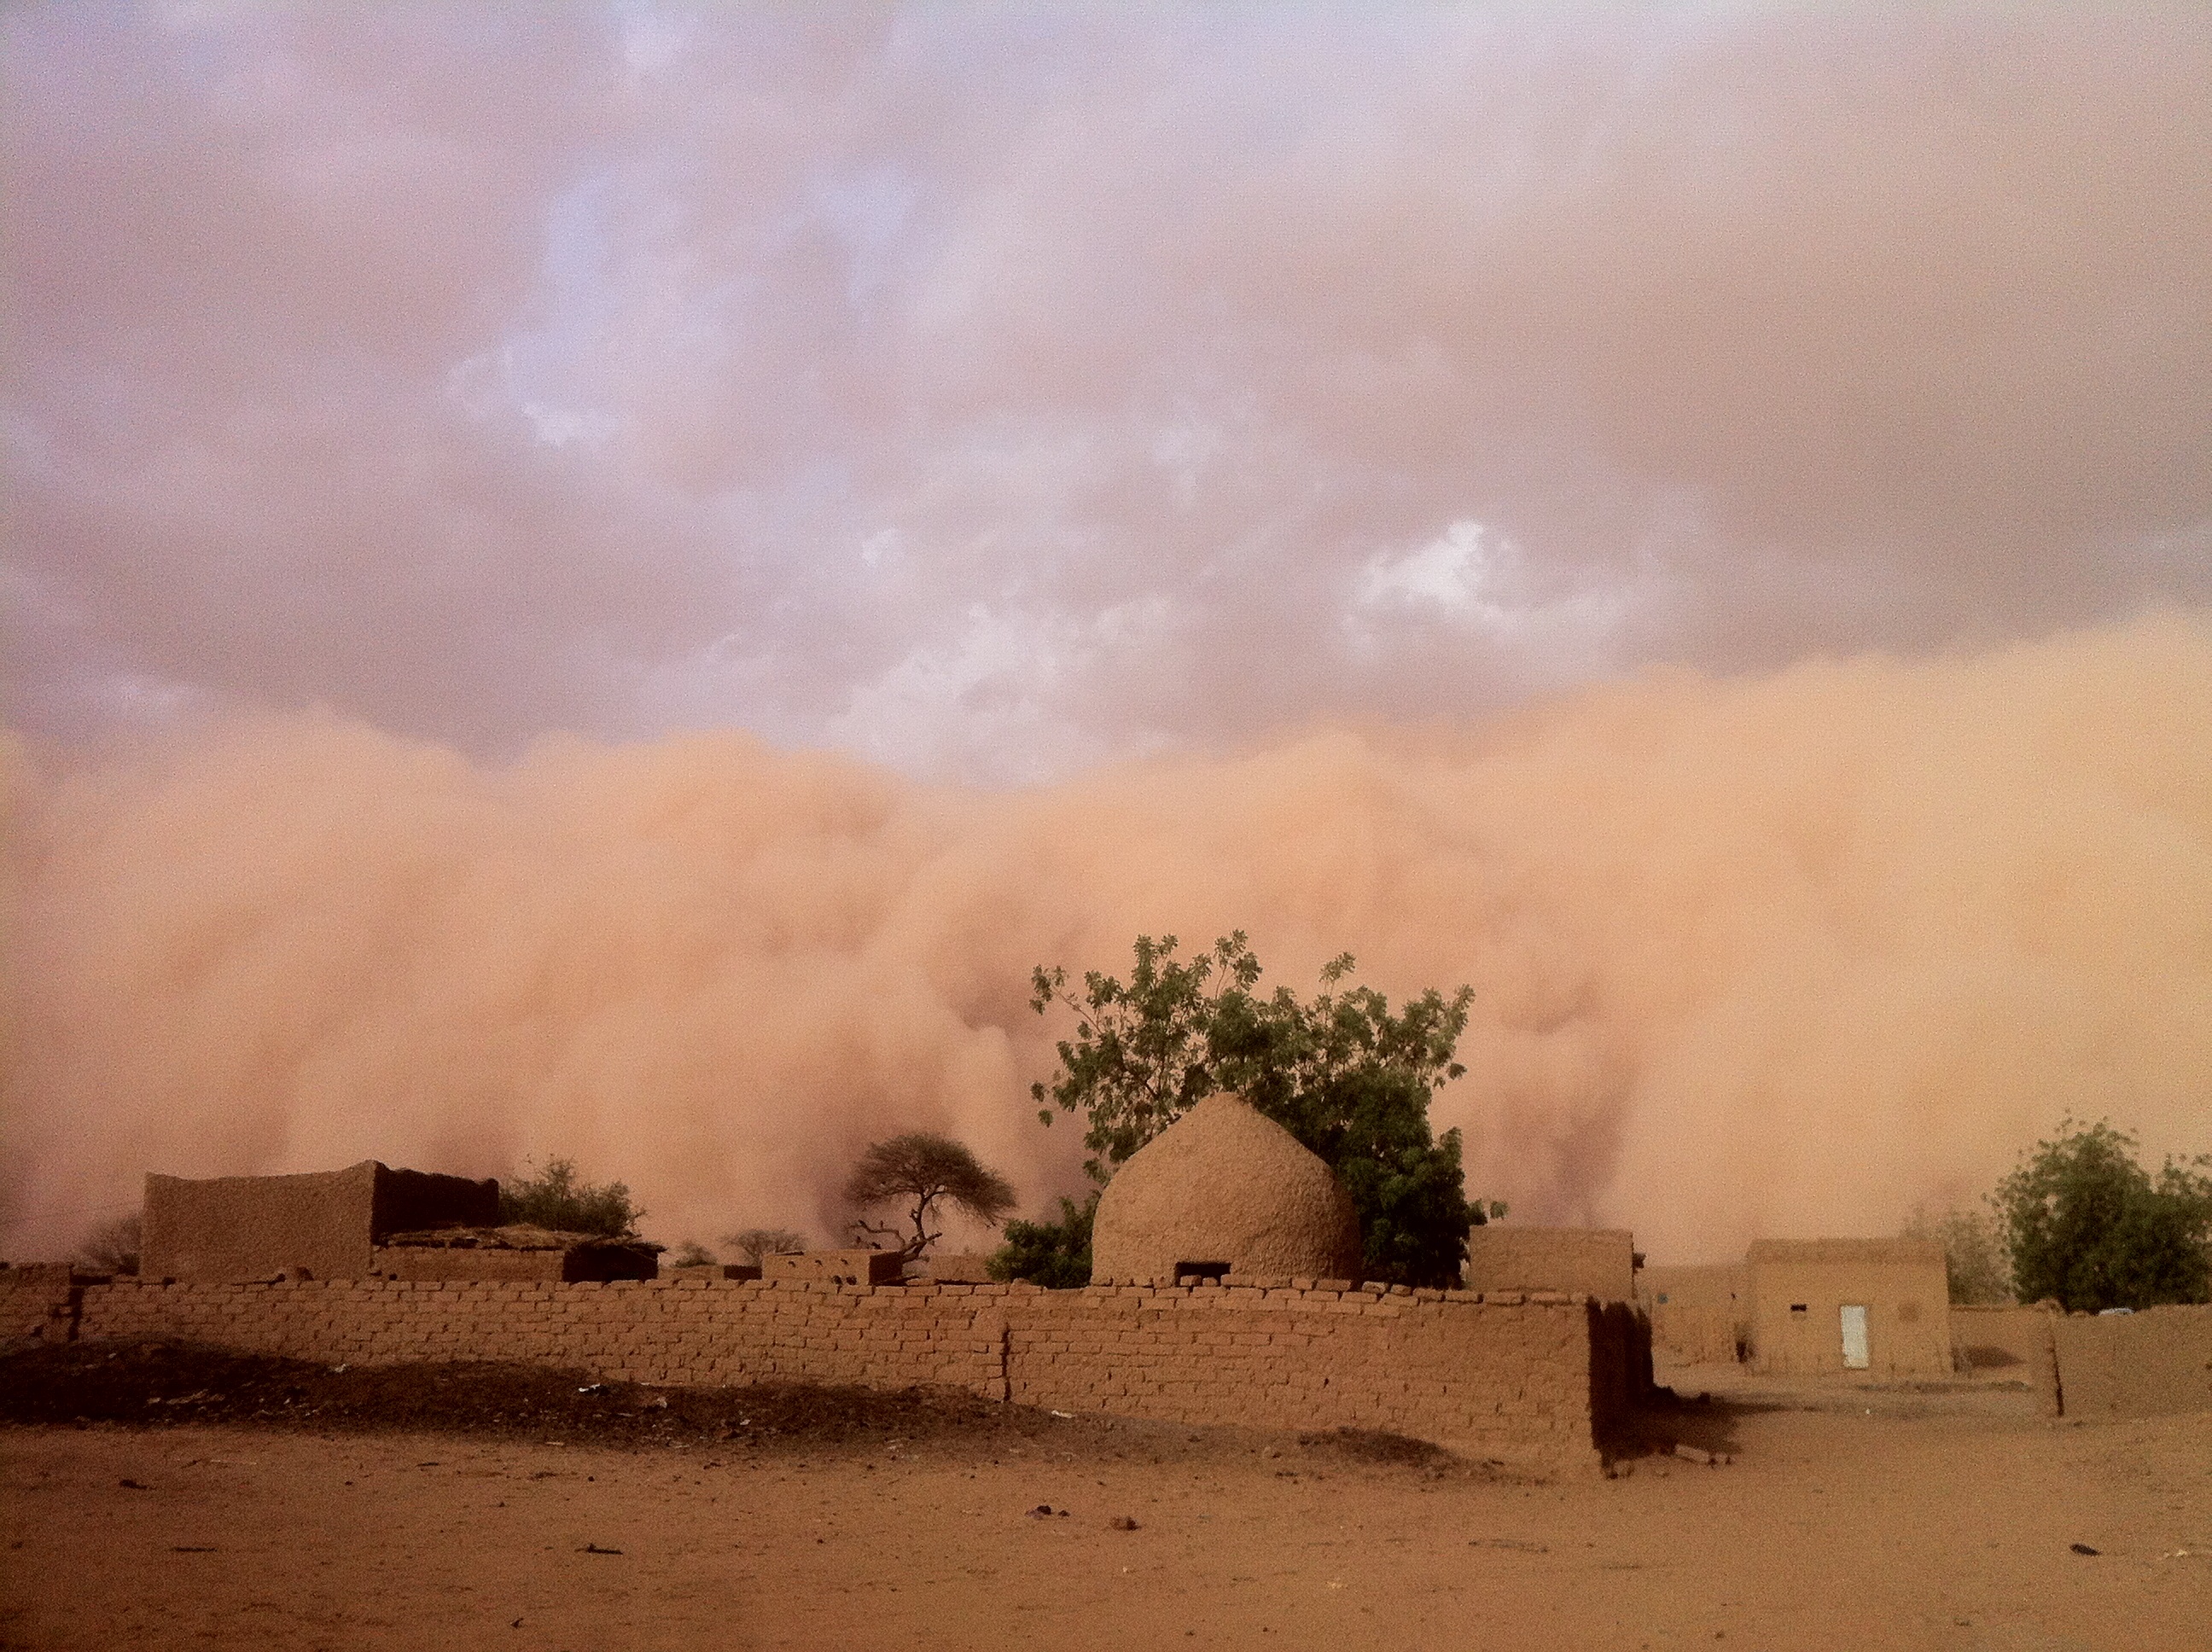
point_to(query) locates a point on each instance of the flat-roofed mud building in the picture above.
(1875, 1305)
(326, 1223)
(367, 1221)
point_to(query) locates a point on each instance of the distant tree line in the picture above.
(2081, 1223)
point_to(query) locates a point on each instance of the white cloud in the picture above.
(1447, 575)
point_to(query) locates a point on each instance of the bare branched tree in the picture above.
(919, 1171)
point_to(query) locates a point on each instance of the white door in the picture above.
(1855, 1338)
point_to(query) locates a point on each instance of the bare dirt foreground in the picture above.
(1848, 1518)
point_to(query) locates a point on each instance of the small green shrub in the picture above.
(1054, 1255)
(553, 1198)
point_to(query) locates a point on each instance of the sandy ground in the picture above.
(1848, 1519)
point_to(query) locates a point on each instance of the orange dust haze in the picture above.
(1751, 957)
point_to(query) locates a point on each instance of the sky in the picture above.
(541, 426)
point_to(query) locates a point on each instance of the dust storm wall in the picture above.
(1750, 958)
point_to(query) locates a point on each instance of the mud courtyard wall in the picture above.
(1520, 1382)
(38, 1301)
(1530, 1381)
(2013, 1341)
(2154, 1362)
(1699, 1312)
(1599, 1262)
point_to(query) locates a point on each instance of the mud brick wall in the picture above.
(2157, 1363)
(38, 1301)
(1533, 1379)
(1700, 1312)
(2015, 1342)
(1510, 1379)
(1599, 1262)
(685, 1332)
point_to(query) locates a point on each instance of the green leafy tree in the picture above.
(1974, 1259)
(1143, 1052)
(922, 1171)
(2089, 1226)
(555, 1198)
(1346, 1075)
(757, 1244)
(1054, 1255)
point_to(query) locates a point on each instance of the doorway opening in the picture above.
(1855, 1337)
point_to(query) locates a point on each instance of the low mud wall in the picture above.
(2015, 1342)
(38, 1301)
(2157, 1363)
(1536, 1381)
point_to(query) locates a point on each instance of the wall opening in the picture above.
(1201, 1270)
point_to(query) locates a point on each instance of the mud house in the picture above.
(369, 1221)
(1598, 1262)
(1875, 1305)
(1223, 1192)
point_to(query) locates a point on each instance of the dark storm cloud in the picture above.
(993, 393)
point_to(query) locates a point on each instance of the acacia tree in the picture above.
(2091, 1228)
(1344, 1074)
(921, 1171)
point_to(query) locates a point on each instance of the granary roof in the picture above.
(1224, 1184)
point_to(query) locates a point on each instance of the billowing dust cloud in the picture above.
(1771, 957)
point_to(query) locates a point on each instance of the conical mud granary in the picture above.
(1224, 1187)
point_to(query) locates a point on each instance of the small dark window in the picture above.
(1201, 1269)
(1797, 1308)
(1663, 1296)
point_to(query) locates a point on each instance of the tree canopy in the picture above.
(1975, 1265)
(921, 1171)
(2088, 1226)
(556, 1198)
(1348, 1076)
